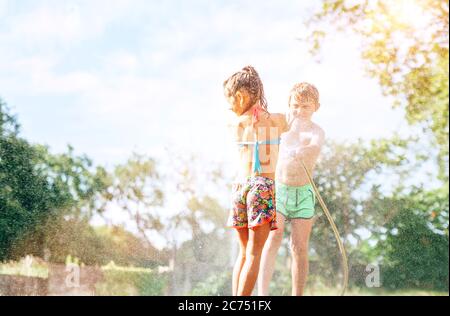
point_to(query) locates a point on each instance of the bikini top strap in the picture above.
(262, 142)
(256, 161)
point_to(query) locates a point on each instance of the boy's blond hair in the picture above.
(305, 92)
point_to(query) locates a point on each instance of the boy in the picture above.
(295, 199)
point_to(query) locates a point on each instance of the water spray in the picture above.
(335, 230)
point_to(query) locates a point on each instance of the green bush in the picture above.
(416, 250)
(128, 281)
(215, 285)
(37, 187)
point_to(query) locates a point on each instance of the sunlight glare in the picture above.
(408, 13)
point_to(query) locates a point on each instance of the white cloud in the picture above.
(61, 24)
(122, 62)
(36, 76)
(48, 24)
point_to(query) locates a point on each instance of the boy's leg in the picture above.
(269, 256)
(243, 240)
(301, 231)
(249, 274)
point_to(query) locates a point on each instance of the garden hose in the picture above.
(335, 230)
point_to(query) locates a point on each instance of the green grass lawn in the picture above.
(38, 270)
(23, 269)
(375, 292)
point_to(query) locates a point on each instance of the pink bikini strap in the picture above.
(256, 112)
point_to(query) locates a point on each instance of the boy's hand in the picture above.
(293, 153)
(289, 119)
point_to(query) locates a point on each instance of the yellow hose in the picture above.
(335, 230)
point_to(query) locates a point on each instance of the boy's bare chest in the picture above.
(296, 138)
(305, 137)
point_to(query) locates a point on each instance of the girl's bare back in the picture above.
(268, 128)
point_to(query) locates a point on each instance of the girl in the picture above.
(253, 212)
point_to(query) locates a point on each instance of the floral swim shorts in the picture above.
(253, 204)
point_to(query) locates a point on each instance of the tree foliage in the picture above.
(405, 45)
(415, 243)
(344, 170)
(37, 187)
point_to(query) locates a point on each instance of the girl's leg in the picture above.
(301, 231)
(269, 256)
(243, 239)
(249, 273)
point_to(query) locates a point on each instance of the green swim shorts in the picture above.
(295, 202)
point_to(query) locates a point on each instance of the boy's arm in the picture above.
(311, 150)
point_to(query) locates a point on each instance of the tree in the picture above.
(350, 178)
(136, 188)
(414, 244)
(405, 45)
(37, 187)
(168, 199)
(344, 170)
(199, 216)
(8, 123)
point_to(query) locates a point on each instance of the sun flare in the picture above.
(408, 13)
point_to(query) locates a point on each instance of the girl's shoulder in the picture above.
(278, 116)
(271, 120)
(279, 120)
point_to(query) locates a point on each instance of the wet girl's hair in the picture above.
(247, 79)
